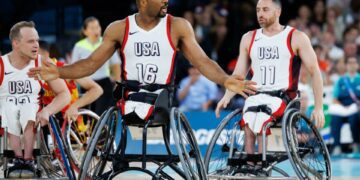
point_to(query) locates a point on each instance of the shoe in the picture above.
(15, 170)
(28, 169)
(336, 151)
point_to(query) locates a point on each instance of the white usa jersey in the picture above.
(148, 56)
(15, 85)
(274, 65)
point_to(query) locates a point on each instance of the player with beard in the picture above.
(273, 55)
(148, 41)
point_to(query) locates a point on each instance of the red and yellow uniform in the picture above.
(49, 95)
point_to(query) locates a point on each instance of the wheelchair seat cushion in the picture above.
(261, 109)
(144, 103)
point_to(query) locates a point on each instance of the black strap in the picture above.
(149, 98)
(261, 108)
(280, 94)
(136, 86)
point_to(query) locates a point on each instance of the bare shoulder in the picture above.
(247, 36)
(179, 21)
(115, 31)
(180, 24)
(246, 39)
(299, 39)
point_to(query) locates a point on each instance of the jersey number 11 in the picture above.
(267, 72)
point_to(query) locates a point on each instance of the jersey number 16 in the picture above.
(147, 74)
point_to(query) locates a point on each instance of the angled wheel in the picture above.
(305, 147)
(78, 138)
(227, 140)
(60, 150)
(186, 145)
(98, 153)
(52, 168)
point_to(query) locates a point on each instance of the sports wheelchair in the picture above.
(107, 157)
(301, 144)
(52, 159)
(77, 139)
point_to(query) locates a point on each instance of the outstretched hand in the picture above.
(47, 71)
(236, 84)
(239, 85)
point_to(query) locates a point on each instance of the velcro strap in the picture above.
(280, 94)
(261, 108)
(144, 97)
(154, 87)
(136, 86)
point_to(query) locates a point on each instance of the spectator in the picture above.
(319, 13)
(334, 23)
(304, 15)
(196, 93)
(203, 28)
(316, 33)
(332, 51)
(351, 33)
(219, 28)
(350, 49)
(83, 49)
(338, 70)
(347, 94)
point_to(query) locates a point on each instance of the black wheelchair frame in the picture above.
(167, 118)
(235, 162)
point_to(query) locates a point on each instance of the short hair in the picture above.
(88, 20)
(86, 23)
(44, 45)
(15, 29)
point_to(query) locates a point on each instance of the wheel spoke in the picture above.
(308, 151)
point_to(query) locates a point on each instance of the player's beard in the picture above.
(268, 22)
(162, 14)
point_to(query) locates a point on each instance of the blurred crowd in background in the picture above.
(333, 27)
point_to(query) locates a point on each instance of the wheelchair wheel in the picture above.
(98, 152)
(226, 140)
(51, 166)
(305, 147)
(187, 146)
(60, 151)
(77, 139)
